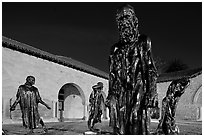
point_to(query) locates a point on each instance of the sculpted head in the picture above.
(179, 87)
(184, 83)
(127, 23)
(98, 86)
(30, 80)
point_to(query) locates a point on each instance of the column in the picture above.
(199, 113)
(53, 109)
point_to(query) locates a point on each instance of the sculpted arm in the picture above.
(91, 99)
(111, 77)
(40, 99)
(17, 99)
(112, 69)
(152, 75)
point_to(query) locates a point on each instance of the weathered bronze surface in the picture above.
(132, 77)
(28, 97)
(167, 124)
(96, 101)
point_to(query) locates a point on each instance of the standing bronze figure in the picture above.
(132, 77)
(96, 101)
(167, 124)
(28, 97)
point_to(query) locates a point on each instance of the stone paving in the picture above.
(79, 127)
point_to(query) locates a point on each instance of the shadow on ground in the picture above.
(80, 127)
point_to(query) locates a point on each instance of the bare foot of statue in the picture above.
(94, 129)
(30, 131)
(45, 129)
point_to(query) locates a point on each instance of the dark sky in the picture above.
(85, 31)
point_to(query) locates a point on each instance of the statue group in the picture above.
(132, 83)
(132, 87)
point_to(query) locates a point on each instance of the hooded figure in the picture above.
(132, 77)
(167, 124)
(96, 101)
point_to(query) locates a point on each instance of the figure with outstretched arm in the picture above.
(28, 98)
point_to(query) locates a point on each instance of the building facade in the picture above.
(65, 84)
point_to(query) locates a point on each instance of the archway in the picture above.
(71, 102)
(197, 100)
(197, 94)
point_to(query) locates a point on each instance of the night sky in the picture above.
(85, 31)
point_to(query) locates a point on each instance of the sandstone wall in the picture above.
(50, 77)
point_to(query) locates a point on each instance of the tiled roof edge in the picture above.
(197, 72)
(24, 48)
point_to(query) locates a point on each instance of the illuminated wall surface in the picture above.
(76, 85)
(50, 78)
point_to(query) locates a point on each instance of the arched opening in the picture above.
(197, 94)
(71, 102)
(197, 99)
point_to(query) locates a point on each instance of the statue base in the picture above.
(95, 132)
(90, 133)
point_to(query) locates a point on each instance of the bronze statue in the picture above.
(167, 124)
(132, 77)
(28, 97)
(96, 101)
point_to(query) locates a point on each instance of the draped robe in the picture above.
(167, 124)
(131, 80)
(96, 101)
(28, 97)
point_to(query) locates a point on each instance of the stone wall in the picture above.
(50, 77)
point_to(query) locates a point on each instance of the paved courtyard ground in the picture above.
(79, 127)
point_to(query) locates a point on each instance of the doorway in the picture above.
(71, 102)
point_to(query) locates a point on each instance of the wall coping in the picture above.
(189, 73)
(66, 61)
